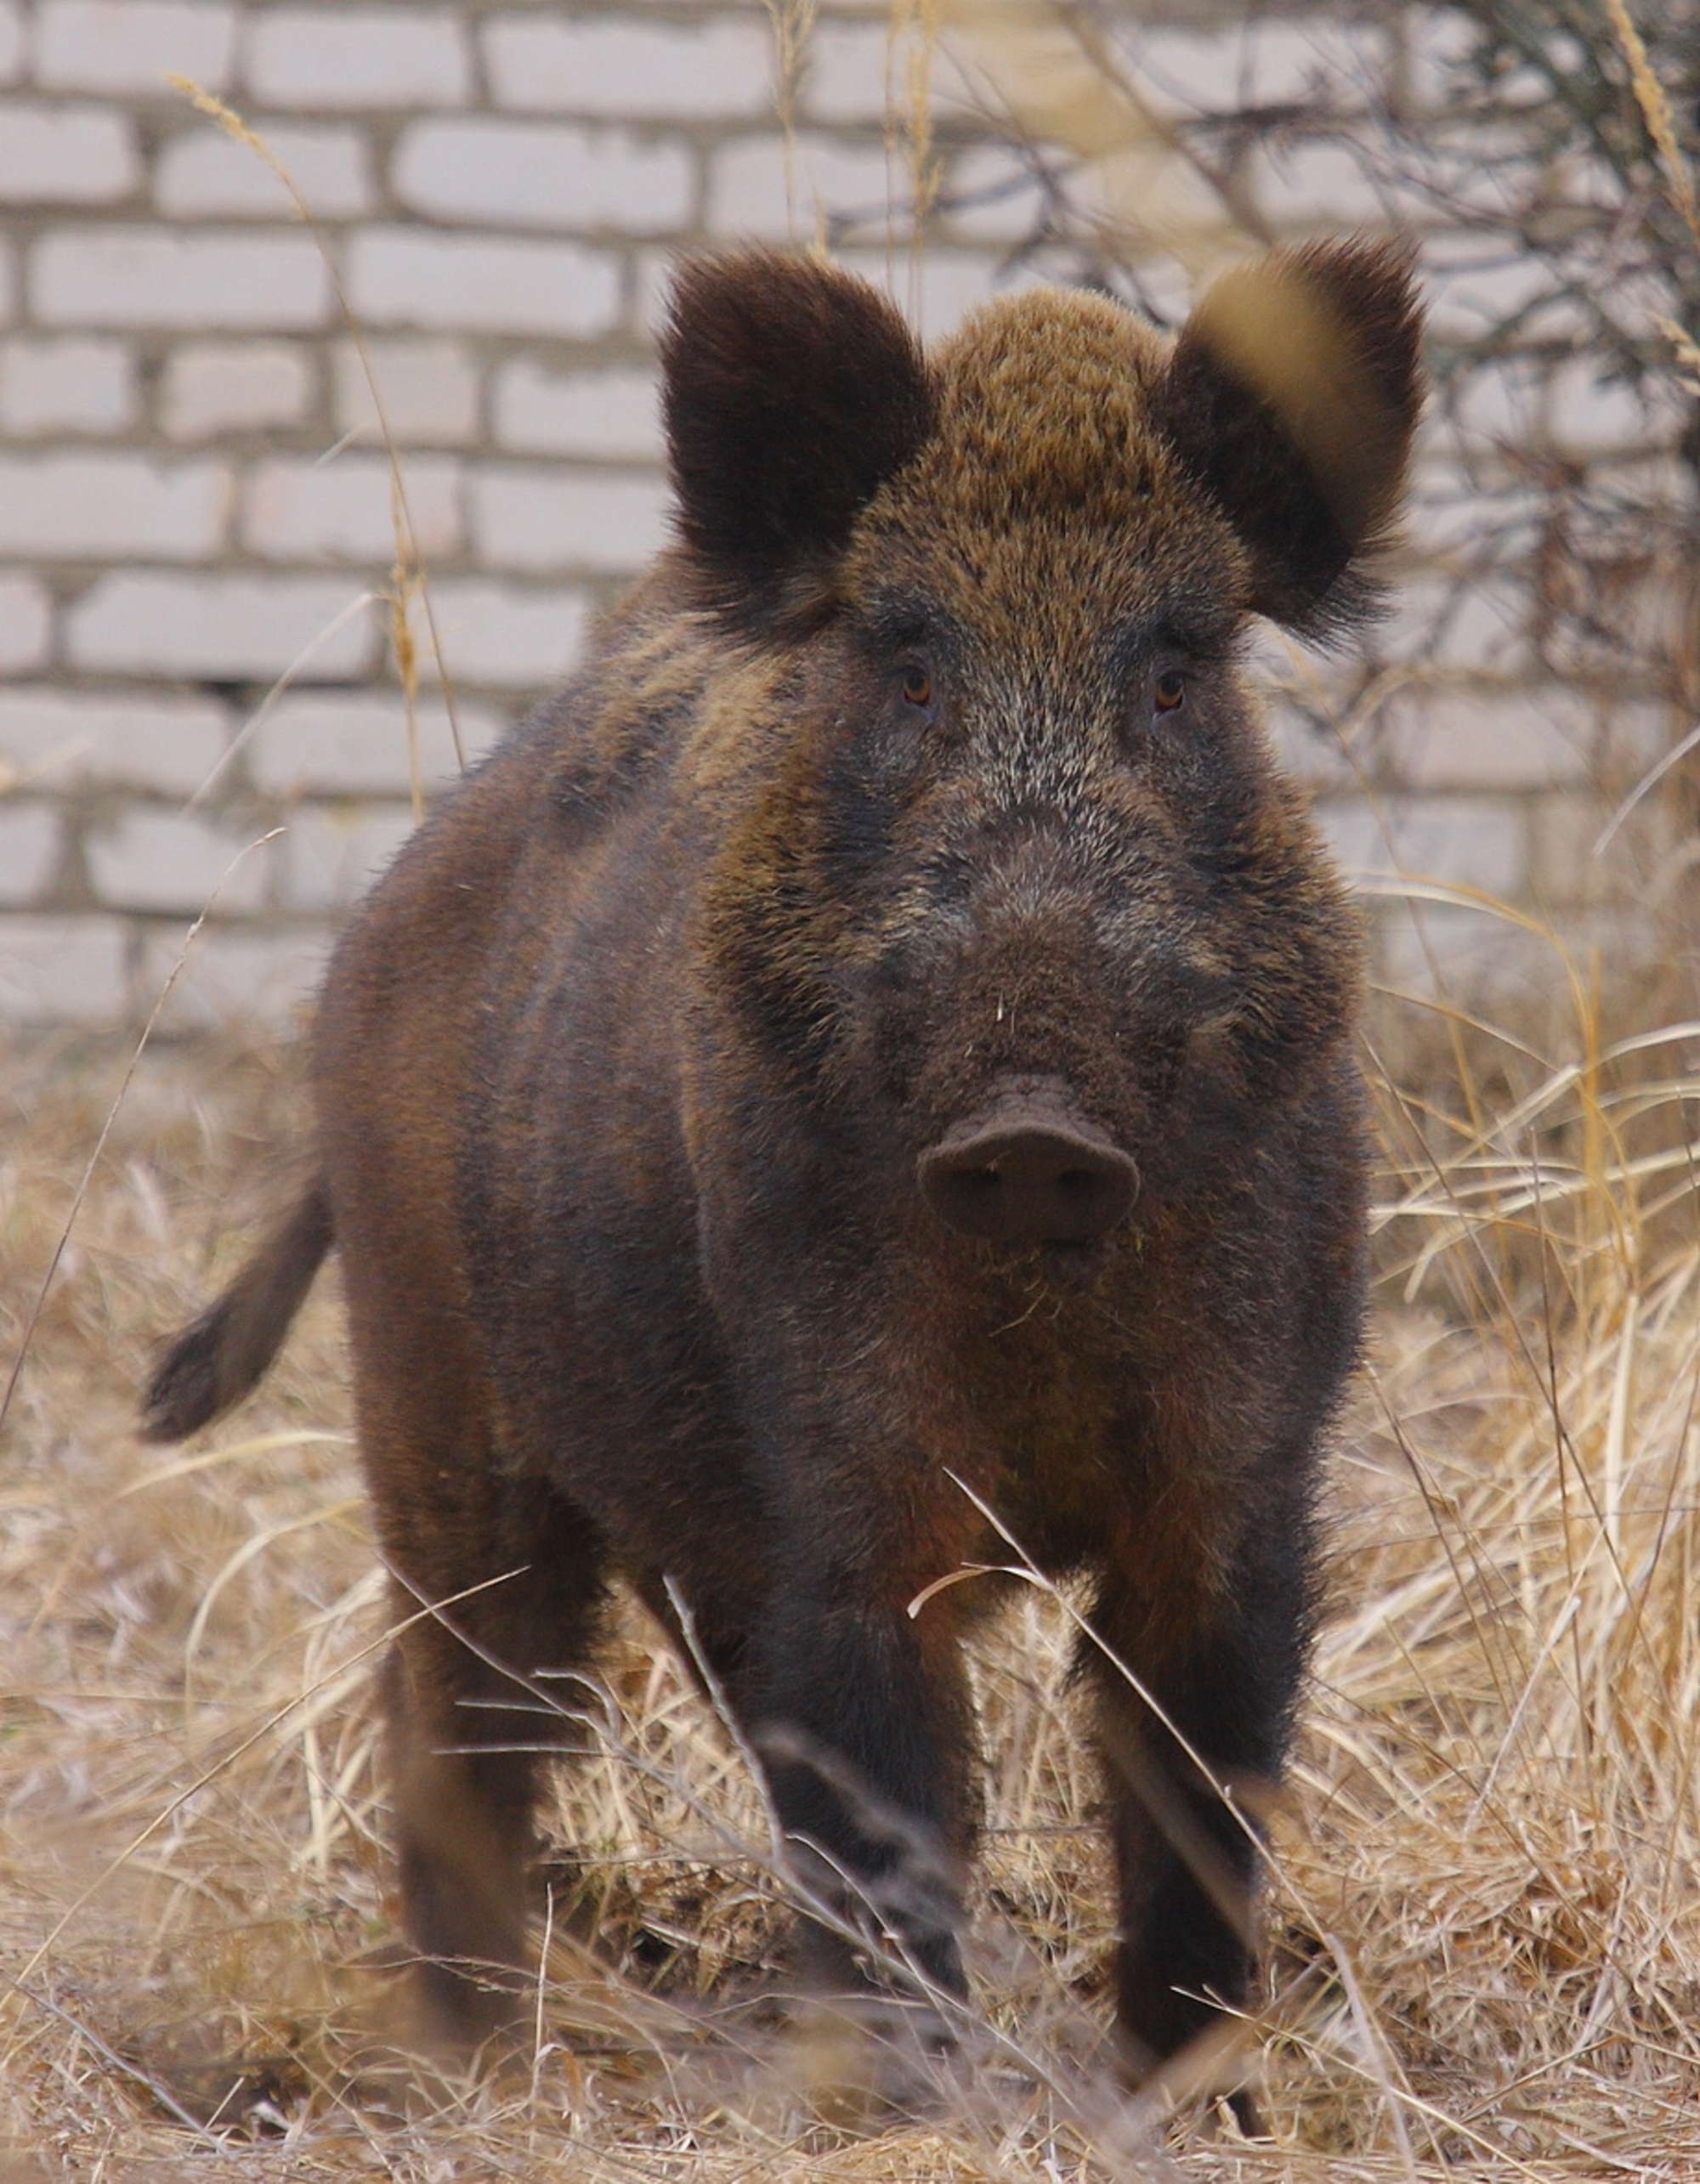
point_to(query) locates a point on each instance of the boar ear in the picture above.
(1292, 395)
(792, 391)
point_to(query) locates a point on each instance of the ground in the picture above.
(1484, 1903)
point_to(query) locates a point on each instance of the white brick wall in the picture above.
(192, 490)
(63, 969)
(25, 624)
(392, 56)
(29, 850)
(610, 413)
(59, 508)
(184, 863)
(428, 390)
(301, 508)
(614, 64)
(518, 639)
(215, 389)
(11, 41)
(203, 173)
(66, 156)
(131, 46)
(155, 277)
(523, 518)
(543, 174)
(55, 738)
(331, 855)
(224, 628)
(234, 976)
(748, 179)
(345, 744)
(72, 385)
(485, 284)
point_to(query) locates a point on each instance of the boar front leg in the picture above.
(1187, 1857)
(861, 1715)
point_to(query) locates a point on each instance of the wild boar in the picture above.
(876, 1049)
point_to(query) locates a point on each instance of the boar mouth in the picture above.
(1028, 1170)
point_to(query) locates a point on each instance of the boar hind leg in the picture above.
(1187, 1860)
(479, 1693)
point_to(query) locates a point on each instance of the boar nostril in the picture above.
(1027, 1175)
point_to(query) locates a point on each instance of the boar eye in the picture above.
(917, 684)
(1169, 693)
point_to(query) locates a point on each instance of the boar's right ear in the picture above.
(1292, 396)
(792, 391)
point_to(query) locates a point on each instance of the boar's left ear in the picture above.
(792, 391)
(1292, 395)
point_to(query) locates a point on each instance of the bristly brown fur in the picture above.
(632, 1071)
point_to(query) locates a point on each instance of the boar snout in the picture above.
(1028, 1170)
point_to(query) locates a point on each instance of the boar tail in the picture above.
(219, 1356)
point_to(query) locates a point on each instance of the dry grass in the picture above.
(1485, 1899)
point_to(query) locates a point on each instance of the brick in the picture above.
(67, 740)
(331, 857)
(69, 385)
(1501, 400)
(1179, 71)
(57, 970)
(230, 975)
(1487, 738)
(429, 390)
(1467, 958)
(235, 628)
(1470, 841)
(203, 173)
(180, 861)
(1315, 181)
(1645, 849)
(29, 852)
(11, 42)
(1312, 752)
(857, 72)
(1470, 620)
(612, 412)
(354, 743)
(1260, 64)
(125, 46)
(990, 196)
(392, 56)
(951, 283)
(610, 64)
(493, 285)
(500, 635)
(543, 174)
(1436, 44)
(297, 509)
(25, 625)
(1591, 415)
(1473, 283)
(218, 387)
(65, 154)
(1459, 524)
(747, 177)
(523, 518)
(150, 277)
(58, 507)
